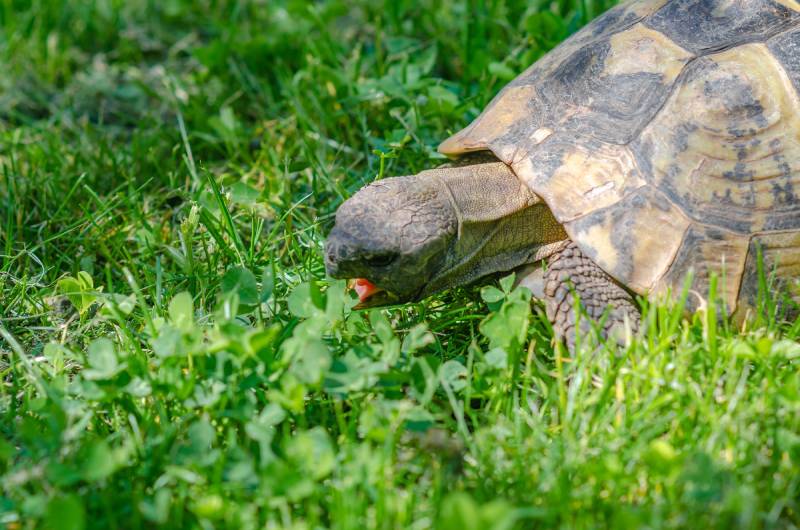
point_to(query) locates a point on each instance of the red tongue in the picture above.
(364, 289)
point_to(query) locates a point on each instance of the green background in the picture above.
(172, 355)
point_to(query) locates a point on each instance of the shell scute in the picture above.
(704, 251)
(726, 146)
(587, 85)
(634, 240)
(704, 26)
(579, 175)
(600, 92)
(664, 137)
(780, 255)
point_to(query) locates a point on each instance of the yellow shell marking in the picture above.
(658, 235)
(706, 250)
(587, 180)
(781, 254)
(781, 251)
(645, 7)
(510, 106)
(791, 4)
(643, 50)
(495, 121)
(600, 237)
(741, 124)
(635, 240)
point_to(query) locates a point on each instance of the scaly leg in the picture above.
(603, 300)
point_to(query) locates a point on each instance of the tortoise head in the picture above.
(403, 238)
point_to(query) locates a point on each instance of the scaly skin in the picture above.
(417, 235)
(603, 300)
(414, 236)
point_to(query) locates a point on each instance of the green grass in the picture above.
(172, 355)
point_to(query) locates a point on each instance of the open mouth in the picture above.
(370, 295)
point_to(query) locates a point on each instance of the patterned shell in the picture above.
(665, 136)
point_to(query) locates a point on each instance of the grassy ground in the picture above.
(172, 355)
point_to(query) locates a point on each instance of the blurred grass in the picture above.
(171, 354)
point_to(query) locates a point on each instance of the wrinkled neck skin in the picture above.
(410, 237)
(502, 226)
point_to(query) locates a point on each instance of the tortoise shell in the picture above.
(665, 137)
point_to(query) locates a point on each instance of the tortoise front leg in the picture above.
(603, 300)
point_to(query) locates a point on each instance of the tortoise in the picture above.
(658, 145)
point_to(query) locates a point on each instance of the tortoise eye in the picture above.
(381, 260)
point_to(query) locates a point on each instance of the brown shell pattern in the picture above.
(665, 136)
